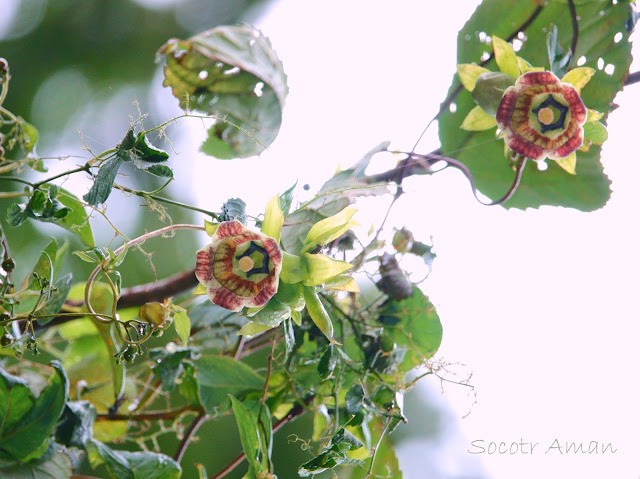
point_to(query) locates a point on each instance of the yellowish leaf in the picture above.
(568, 164)
(273, 219)
(210, 228)
(505, 57)
(478, 120)
(251, 329)
(200, 289)
(469, 73)
(322, 268)
(524, 66)
(579, 77)
(343, 283)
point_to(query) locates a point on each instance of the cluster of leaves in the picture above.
(320, 345)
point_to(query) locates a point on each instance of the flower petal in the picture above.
(578, 110)
(571, 145)
(505, 110)
(537, 78)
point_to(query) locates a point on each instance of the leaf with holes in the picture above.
(483, 153)
(233, 74)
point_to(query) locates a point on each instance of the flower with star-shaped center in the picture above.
(240, 267)
(542, 117)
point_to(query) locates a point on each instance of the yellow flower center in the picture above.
(245, 264)
(545, 116)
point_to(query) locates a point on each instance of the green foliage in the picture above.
(233, 74)
(334, 454)
(28, 420)
(483, 154)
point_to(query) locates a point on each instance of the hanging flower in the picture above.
(240, 267)
(542, 117)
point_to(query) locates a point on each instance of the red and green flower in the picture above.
(240, 267)
(539, 115)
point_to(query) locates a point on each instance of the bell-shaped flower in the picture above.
(240, 267)
(542, 117)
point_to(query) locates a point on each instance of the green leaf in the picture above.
(273, 219)
(132, 465)
(579, 77)
(233, 74)
(183, 326)
(478, 120)
(168, 366)
(484, 155)
(568, 164)
(28, 136)
(117, 465)
(28, 421)
(318, 313)
(322, 268)
(151, 465)
(328, 229)
(103, 183)
(249, 436)
(215, 146)
(57, 466)
(413, 323)
(558, 59)
(468, 74)
(53, 304)
(286, 199)
(144, 151)
(219, 376)
(294, 268)
(16, 215)
(490, 88)
(251, 329)
(334, 454)
(595, 132)
(505, 57)
(76, 424)
(160, 170)
(272, 314)
(76, 220)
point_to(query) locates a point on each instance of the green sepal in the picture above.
(490, 88)
(322, 268)
(478, 120)
(294, 269)
(505, 57)
(330, 228)
(273, 219)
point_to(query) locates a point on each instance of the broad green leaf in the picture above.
(249, 436)
(76, 220)
(505, 57)
(568, 164)
(490, 88)
(28, 421)
(151, 465)
(579, 77)
(219, 376)
(595, 132)
(413, 323)
(483, 153)
(478, 120)
(124, 465)
(318, 313)
(251, 329)
(182, 324)
(468, 73)
(273, 219)
(328, 229)
(232, 74)
(294, 269)
(57, 466)
(160, 170)
(76, 424)
(322, 268)
(168, 366)
(103, 182)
